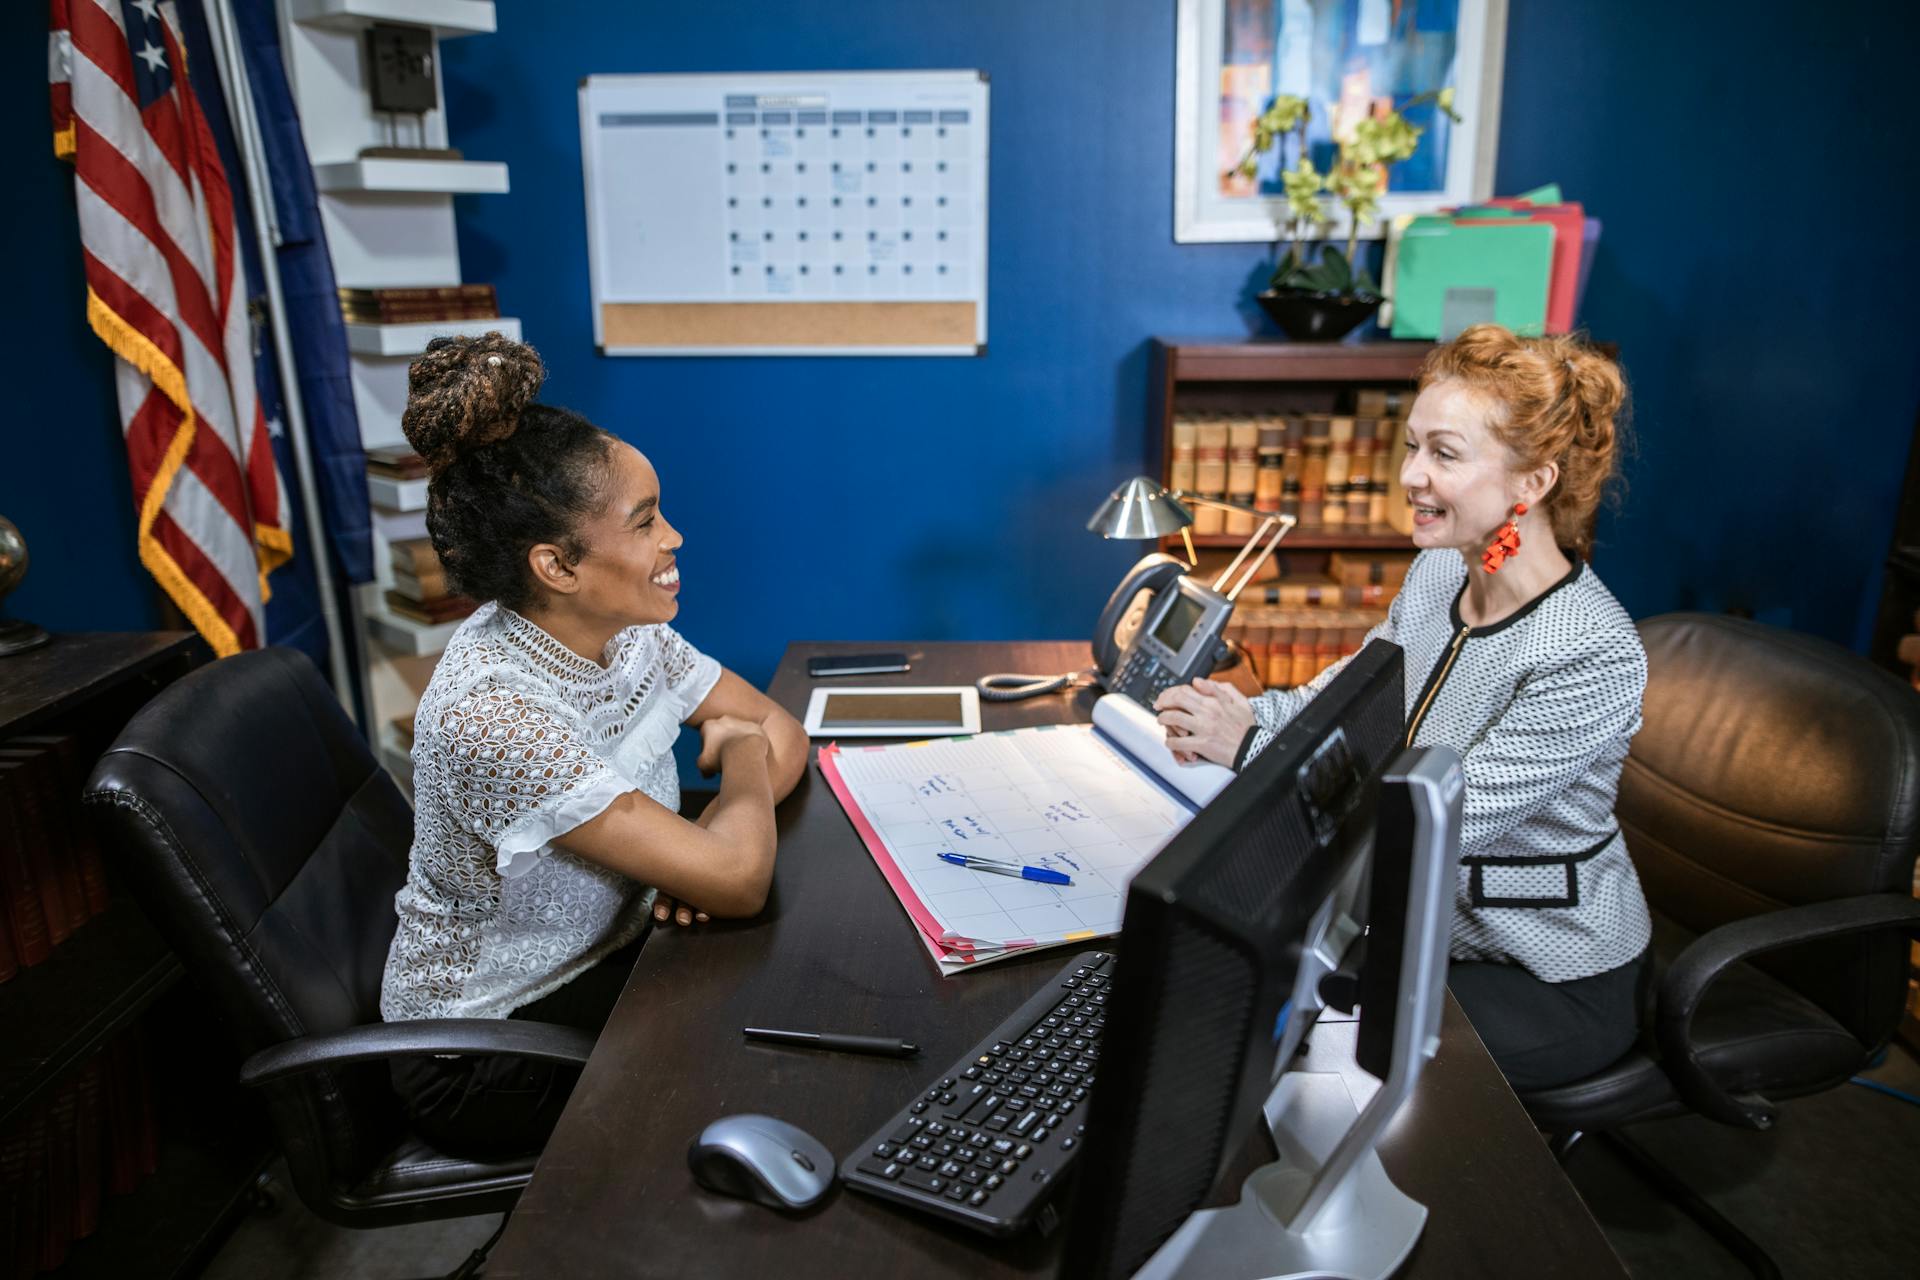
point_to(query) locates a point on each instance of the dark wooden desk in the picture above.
(612, 1195)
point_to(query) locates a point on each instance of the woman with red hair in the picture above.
(1518, 658)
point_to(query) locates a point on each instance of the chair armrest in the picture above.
(1709, 955)
(415, 1038)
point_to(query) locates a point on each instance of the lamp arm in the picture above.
(1285, 524)
(1267, 521)
(1195, 499)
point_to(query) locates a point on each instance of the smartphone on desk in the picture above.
(857, 664)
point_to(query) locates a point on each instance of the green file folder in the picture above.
(1450, 274)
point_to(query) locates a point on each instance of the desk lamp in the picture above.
(1141, 508)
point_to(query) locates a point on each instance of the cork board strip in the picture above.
(788, 324)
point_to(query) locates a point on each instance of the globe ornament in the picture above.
(15, 636)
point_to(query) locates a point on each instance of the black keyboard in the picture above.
(999, 1129)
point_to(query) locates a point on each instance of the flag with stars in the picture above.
(165, 292)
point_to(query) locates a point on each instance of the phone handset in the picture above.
(1153, 574)
(1112, 635)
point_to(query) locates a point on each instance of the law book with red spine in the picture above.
(89, 1137)
(63, 1175)
(73, 764)
(20, 883)
(9, 964)
(25, 777)
(56, 762)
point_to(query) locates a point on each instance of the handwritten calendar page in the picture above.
(1057, 797)
(815, 213)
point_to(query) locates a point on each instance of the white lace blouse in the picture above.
(518, 740)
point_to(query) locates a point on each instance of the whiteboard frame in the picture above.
(745, 81)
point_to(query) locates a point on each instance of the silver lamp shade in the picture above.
(1139, 509)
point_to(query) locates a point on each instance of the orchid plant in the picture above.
(1357, 181)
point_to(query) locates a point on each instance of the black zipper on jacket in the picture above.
(1434, 681)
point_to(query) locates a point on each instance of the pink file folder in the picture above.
(1569, 231)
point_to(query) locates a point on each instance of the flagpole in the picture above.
(232, 67)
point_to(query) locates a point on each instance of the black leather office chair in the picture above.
(255, 827)
(1771, 803)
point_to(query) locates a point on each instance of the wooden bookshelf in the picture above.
(58, 1013)
(114, 970)
(1267, 378)
(1312, 538)
(1215, 360)
(1272, 376)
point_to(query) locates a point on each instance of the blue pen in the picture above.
(1041, 874)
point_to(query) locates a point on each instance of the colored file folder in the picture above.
(1568, 221)
(1450, 273)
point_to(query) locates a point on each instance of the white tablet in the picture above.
(893, 712)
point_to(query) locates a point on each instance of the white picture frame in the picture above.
(1202, 214)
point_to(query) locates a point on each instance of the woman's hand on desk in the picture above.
(1205, 720)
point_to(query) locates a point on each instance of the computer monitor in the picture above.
(1212, 940)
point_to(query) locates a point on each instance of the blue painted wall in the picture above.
(829, 498)
(1767, 329)
(63, 469)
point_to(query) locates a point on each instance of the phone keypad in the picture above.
(1144, 678)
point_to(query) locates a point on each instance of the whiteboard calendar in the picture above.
(794, 213)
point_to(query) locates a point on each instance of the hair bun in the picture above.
(466, 393)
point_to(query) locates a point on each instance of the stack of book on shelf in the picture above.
(52, 879)
(1328, 471)
(94, 1135)
(396, 462)
(1293, 629)
(420, 585)
(417, 304)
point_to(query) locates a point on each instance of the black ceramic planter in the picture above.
(1317, 317)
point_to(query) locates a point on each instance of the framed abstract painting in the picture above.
(1347, 58)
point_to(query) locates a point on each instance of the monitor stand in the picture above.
(1326, 1208)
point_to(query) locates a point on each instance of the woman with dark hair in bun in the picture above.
(1519, 659)
(547, 826)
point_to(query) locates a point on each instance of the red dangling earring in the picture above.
(1506, 542)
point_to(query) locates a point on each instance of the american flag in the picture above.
(165, 291)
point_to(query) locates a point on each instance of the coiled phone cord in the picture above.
(1010, 686)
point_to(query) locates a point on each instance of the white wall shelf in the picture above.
(412, 339)
(446, 17)
(407, 636)
(397, 760)
(428, 177)
(389, 223)
(397, 495)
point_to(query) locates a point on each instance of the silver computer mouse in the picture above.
(762, 1159)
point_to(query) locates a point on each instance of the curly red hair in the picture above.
(1553, 399)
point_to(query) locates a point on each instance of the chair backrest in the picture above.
(255, 827)
(1776, 769)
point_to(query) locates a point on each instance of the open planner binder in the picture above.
(1092, 801)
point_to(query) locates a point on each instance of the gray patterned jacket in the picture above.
(1540, 707)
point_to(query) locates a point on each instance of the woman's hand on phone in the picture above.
(1205, 720)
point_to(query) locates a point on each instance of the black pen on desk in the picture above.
(885, 1045)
